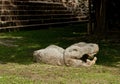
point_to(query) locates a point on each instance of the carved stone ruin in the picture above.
(76, 55)
(79, 54)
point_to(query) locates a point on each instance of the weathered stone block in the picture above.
(76, 55)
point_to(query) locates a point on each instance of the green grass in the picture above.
(17, 66)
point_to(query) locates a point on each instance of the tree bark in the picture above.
(100, 18)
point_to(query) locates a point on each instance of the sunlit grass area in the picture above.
(17, 65)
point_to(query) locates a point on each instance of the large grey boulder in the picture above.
(51, 55)
(76, 55)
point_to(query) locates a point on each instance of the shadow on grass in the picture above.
(109, 55)
(18, 47)
(28, 41)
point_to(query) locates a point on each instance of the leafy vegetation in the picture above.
(17, 65)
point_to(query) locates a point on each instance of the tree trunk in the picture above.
(100, 28)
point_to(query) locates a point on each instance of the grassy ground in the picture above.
(17, 66)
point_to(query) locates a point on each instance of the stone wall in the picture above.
(32, 13)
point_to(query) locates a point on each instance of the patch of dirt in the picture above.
(8, 43)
